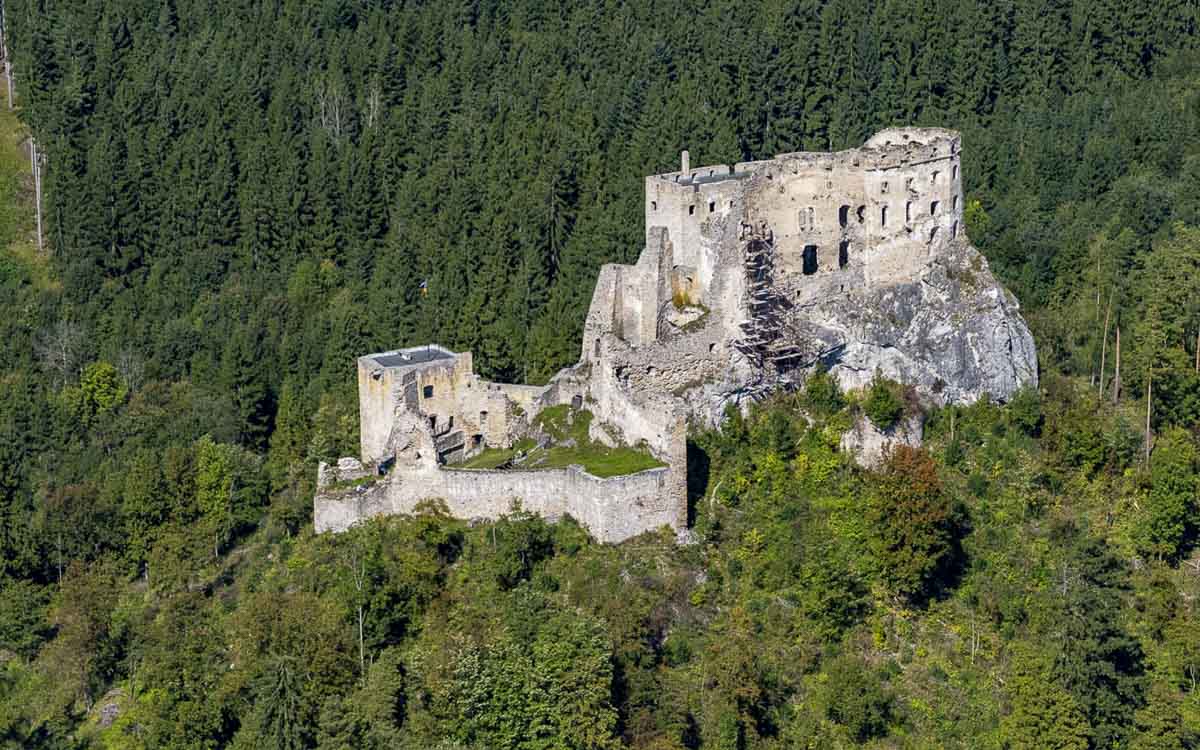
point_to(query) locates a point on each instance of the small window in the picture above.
(935, 176)
(954, 230)
(653, 205)
(596, 351)
(908, 183)
(433, 422)
(884, 187)
(843, 216)
(802, 220)
(810, 260)
(691, 210)
(450, 423)
(883, 216)
(861, 213)
(954, 203)
(428, 391)
(712, 206)
(843, 254)
(954, 173)
(932, 234)
(933, 207)
(483, 419)
(812, 222)
(908, 211)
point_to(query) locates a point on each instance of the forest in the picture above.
(241, 196)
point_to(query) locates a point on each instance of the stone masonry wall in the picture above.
(613, 509)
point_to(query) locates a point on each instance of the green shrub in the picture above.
(822, 395)
(882, 405)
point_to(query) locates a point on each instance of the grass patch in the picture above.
(347, 484)
(568, 430)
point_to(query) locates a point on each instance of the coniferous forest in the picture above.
(241, 196)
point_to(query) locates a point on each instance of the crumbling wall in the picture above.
(613, 509)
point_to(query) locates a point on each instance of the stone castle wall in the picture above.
(612, 509)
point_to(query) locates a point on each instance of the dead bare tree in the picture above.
(374, 99)
(35, 160)
(1116, 388)
(60, 349)
(1104, 345)
(332, 105)
(132, 368)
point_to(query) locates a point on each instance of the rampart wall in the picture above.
(613, 509)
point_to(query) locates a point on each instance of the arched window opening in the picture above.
(810, 260)
(843, 216)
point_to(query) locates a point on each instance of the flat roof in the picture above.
(413, 356)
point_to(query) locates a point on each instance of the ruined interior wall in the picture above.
(377, 401)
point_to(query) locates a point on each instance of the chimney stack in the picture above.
(685, 162)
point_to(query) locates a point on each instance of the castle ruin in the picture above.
(751, 276)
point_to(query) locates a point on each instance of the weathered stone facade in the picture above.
(751, 276)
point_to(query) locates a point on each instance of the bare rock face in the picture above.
(868, 444)
(952, 331)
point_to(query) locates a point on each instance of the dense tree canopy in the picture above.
(242, 196)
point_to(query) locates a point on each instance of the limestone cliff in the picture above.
(953, 331)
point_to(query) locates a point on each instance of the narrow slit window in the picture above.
(843, 254)
(954, 203)
(712, 206)
(908, 211)
(843, 216)
(954, 173)
(933, 208)
(883, 216)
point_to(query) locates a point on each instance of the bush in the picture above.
(1025, 411)
(882, 405)
(822, 395)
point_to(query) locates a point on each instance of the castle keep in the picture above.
(751, 275)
